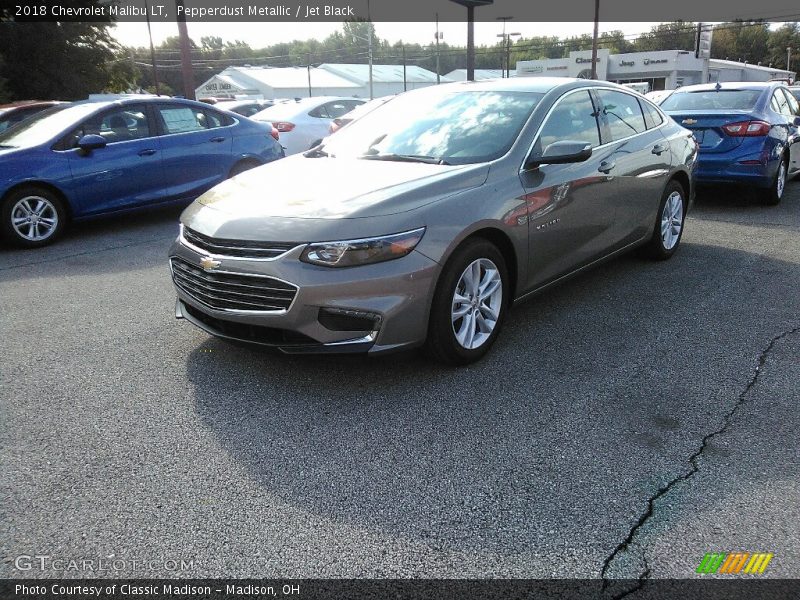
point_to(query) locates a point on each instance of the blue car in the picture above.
(747, 132)
(85, 159)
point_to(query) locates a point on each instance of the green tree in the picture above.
(65, 61)
(677, 35)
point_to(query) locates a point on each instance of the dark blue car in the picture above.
(81, 160)
(748, 133)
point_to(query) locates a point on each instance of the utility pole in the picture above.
(405, 87)
(152, 50)
(308, 68)
(369, 46)
(186, 52)
(471, 4)
(788, 57)
(594, 37)
(438, 35)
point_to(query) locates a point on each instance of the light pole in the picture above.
(505, 44)
(507, 47)
(369, 45)
(438, 37)
(471, 4)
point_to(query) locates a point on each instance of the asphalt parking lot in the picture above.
(626, 423)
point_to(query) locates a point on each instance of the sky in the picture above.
(259, 35)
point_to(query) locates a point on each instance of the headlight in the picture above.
(349, 253)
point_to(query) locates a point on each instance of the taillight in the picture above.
(274, 133)
(747, 128)
(283, 126)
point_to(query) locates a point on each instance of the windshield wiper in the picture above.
(431, 160)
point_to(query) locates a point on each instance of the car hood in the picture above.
(338, 188)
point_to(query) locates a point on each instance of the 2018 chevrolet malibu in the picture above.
(422, 221)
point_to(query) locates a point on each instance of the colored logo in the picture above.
(209, 264)
(734, 563)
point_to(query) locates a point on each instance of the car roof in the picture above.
(145, 99)
(730, 85)
(531, 84)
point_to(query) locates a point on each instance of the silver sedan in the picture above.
(420, 223)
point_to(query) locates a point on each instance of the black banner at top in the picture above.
(394, 10)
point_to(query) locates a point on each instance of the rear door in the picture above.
(569, 207)
(639, 160)
(197, 148)
(128, 171)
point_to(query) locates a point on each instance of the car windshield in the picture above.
(454, 127)
(46, 125)
(712, 99)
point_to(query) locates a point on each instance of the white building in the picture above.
(663, 70)
(480, 74)
(325, 80)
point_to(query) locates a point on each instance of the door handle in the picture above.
(217, 139)
(606, 166)
(148, 152)
(658, 149)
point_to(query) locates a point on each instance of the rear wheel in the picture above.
(32, 217)
(669, 223)
(773, 195)
(469, 304)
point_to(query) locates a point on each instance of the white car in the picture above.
(303, 123)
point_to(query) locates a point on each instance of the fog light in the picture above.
(340, 319)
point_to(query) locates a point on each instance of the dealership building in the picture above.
(663, 70)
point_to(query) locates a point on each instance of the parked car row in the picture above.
(415, 220)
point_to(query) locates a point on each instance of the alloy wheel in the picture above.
(672, 220)
(34, 218)
(477, 302)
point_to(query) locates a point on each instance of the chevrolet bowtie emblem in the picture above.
(688, 121)
(209, 264)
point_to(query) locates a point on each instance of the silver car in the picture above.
(421, 222)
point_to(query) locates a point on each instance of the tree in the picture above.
(70, 57)
(677, 35)
(742, 41)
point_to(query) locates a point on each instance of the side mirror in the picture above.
(797, 121)
(91, 142)
(561, 152)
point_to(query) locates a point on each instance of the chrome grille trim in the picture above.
(235, 249)
(233, 292)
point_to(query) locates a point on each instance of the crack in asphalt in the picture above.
(695, 467)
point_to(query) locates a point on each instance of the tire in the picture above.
(32, 216)
(773, 195)
(449, 340)
(670, 218)
(242, 166)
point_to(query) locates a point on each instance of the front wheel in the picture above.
(669, 223)
(32, 217)
(469, 304)
(773, 195)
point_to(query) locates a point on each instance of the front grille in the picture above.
(231, 291)
(237, 248)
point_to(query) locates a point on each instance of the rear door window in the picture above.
(182, 119)
(622, 113)
(652, 118)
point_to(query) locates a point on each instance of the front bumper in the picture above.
(396, 293)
